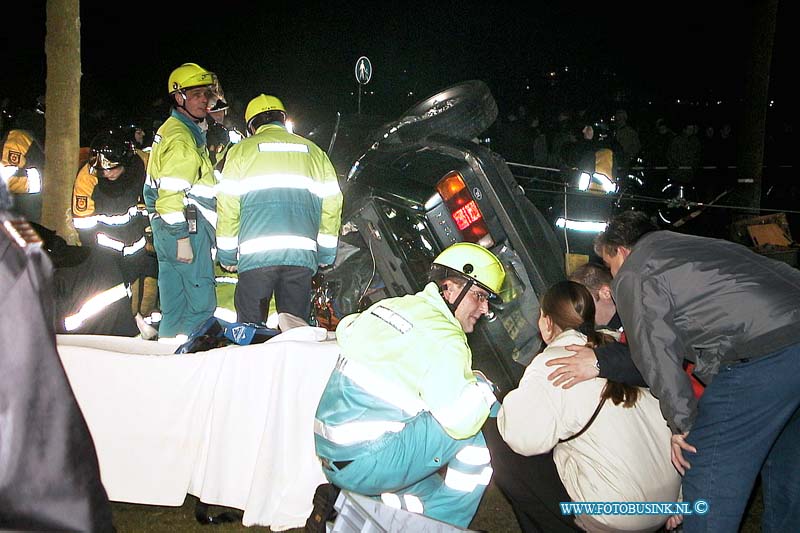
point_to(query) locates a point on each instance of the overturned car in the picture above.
(414, 186)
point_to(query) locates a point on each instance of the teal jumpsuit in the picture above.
(401, 404)
(180, 173)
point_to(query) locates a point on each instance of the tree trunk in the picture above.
(754, 113)
(63, 49)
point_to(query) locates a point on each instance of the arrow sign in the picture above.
(363, 70)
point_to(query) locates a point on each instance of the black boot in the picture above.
(324, 499)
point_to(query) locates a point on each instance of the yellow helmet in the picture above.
(189, 75)
(261, 104)
(473, 262)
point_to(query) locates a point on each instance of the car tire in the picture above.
(461, 111)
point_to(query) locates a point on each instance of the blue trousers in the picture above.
(186, 290)
(404, 468)
(747, 422)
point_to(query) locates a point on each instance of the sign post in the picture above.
(363, 75)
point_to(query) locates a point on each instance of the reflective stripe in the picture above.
(471, 400)
(282, 147)
(226, 279)
(8, 171)
(488, 394)
(353, 432)
(263, 182)
(327, 241)
(225, 314)
(208, 214)
(467, 482)
(149, 182)
(108, 220)
(176, 340)
(380, 387)
(34, 181)
(330, 188)
(94, 305)
(392, 500)
(395, 320)
(413, 504)
(156, 139)
(277, 242)
(135, 247)
(173, 184)
(84, 222)
(173, 218)
(227, 243)
(114, 220)
(110, 242)
(154, 317)
(474, 455)
(203, 191)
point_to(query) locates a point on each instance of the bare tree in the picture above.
(753, 131)
(63, 49)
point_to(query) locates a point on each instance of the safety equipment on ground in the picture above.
(189, 75)
(215, 333)
(185, 254)
(473, 262)
(261, 104)
(110, 150)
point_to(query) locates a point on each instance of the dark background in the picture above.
(603, 54)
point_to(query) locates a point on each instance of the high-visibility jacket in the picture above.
(179, 173)
(110, 214)
(22, 163)
(400, 357)
(279, 203)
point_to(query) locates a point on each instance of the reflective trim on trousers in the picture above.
(353, 432)
(466, 482)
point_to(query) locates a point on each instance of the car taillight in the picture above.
(464, 209)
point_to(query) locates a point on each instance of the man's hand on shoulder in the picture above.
(574, 369)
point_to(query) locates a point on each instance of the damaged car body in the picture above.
(423, 184)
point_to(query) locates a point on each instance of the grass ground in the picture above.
(494, 514)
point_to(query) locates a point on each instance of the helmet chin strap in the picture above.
(183, 106)
(453, 306)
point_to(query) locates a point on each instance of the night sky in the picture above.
(305, 52)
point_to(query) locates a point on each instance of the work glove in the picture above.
(185, 254)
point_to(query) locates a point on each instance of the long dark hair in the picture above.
(570, 306)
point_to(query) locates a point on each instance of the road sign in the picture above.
(363, 70)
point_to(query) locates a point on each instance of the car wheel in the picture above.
(462, 111)
(679, 201)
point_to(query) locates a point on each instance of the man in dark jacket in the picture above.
(735, 315)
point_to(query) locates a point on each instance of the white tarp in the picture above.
(233, 426)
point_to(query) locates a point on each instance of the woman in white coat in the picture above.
(610, 442)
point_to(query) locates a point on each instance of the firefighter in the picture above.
(279, 214)
(22, 164)
(180, 195)
(111, 218)
(403, 401)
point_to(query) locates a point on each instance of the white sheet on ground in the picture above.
(233, 426)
